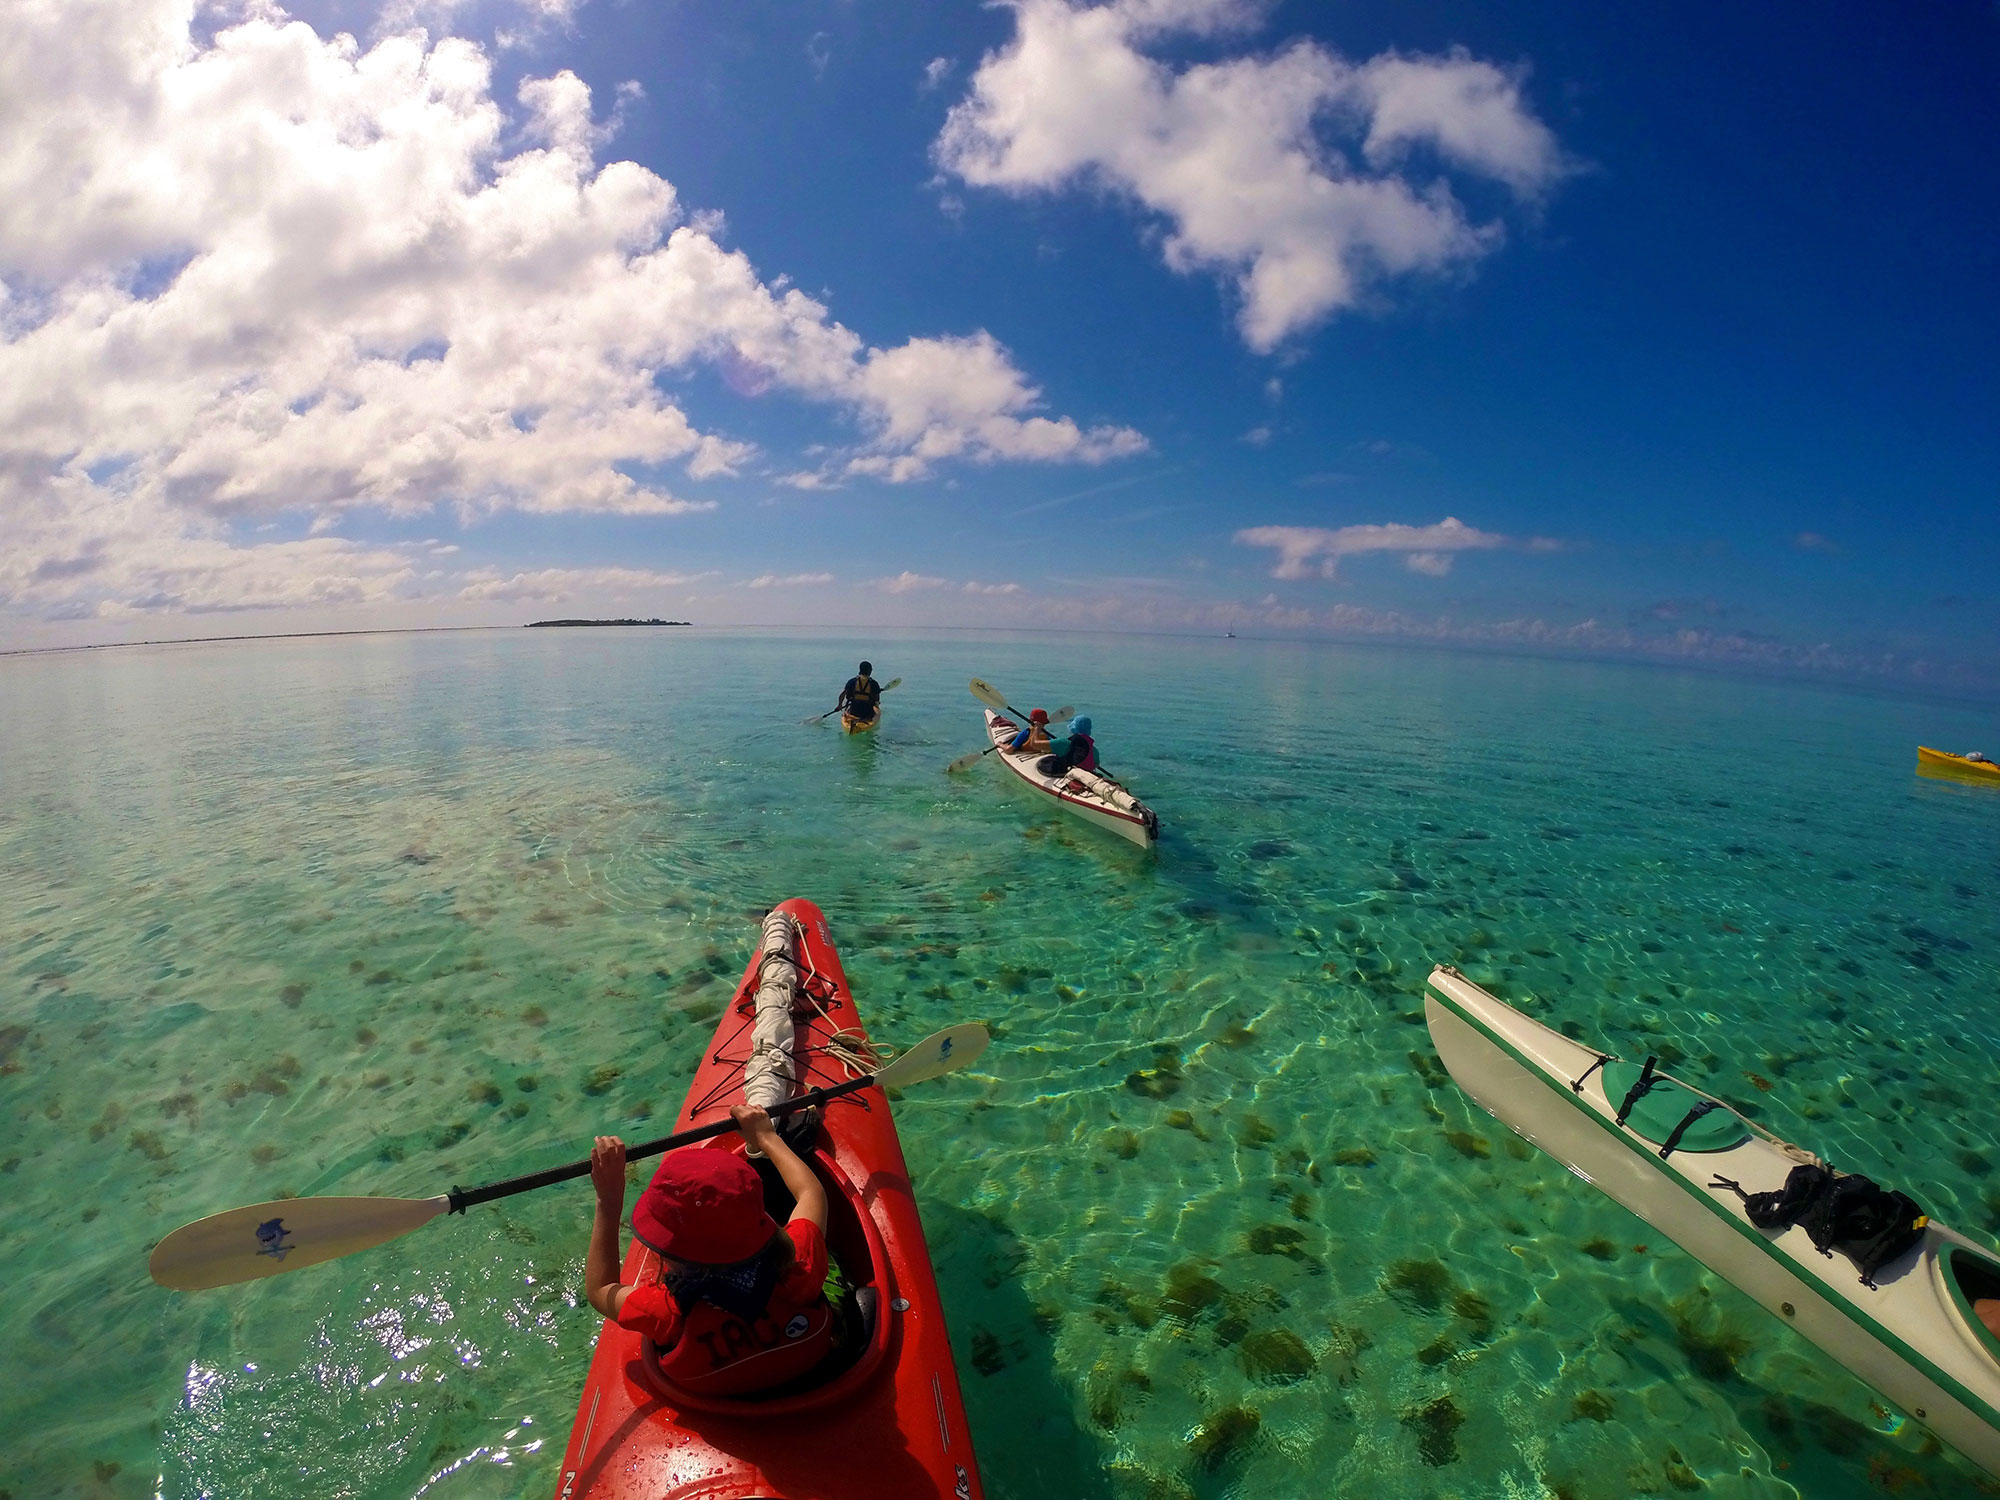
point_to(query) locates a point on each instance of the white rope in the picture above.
(771, 1075)
(848, 1046)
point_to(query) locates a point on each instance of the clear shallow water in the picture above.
(382, 914)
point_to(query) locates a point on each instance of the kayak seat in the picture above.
(1661, 1109)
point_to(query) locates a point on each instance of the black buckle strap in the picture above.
(1647, 1078)
(1673, 1140)
(1576, 1083)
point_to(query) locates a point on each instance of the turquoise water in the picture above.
(381, 914)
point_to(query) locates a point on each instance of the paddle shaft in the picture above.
(463, 1198)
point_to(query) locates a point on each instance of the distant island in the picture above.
(542, 624)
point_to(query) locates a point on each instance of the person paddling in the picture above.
(1035, 738)
(1074, 751)
(862, 697)
(739, 1304)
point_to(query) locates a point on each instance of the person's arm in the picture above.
(800, 1179)
(600, 1266)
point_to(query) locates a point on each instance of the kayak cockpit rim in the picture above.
(1970, 1277)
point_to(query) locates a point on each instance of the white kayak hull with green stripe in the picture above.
(1912, 1335)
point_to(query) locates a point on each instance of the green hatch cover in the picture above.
(1665, 1105)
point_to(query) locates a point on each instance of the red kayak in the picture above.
(884, 1419)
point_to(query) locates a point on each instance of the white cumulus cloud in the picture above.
(935, 399)
(907, 582)
(1315, 551)
(263, 272)
(924, 583)
(787, 580)
(1300, 176)
(554, 585)
(441, 15)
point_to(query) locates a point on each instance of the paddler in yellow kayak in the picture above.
(862, 697)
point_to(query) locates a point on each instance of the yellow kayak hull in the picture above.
(859, 726)
(1939, 762)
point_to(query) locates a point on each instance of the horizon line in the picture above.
(1794, 676)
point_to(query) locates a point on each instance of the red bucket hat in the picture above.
(1038, 716)
(705, 1206)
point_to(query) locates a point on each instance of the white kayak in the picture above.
(1911, 1334)
(1091, 795)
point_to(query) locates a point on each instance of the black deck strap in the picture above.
(1724, 1182)
(1576, 1083)
(1673, 1140)
(1647, 1078)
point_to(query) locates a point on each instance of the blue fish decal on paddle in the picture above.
(271, 1237)
(944, 1049)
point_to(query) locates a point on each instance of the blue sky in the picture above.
(1559, 325)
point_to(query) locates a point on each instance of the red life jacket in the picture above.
(737, 1331)
(721, 1354)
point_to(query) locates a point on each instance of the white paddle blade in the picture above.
(964, 763)
(265, 1239)
(892, 682)
(941, 1052)
(986, 693)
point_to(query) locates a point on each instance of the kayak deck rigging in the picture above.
(816, 993)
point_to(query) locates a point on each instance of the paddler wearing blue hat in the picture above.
(1074, 751)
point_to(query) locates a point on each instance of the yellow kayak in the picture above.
(859, 726)
(1941, 762)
